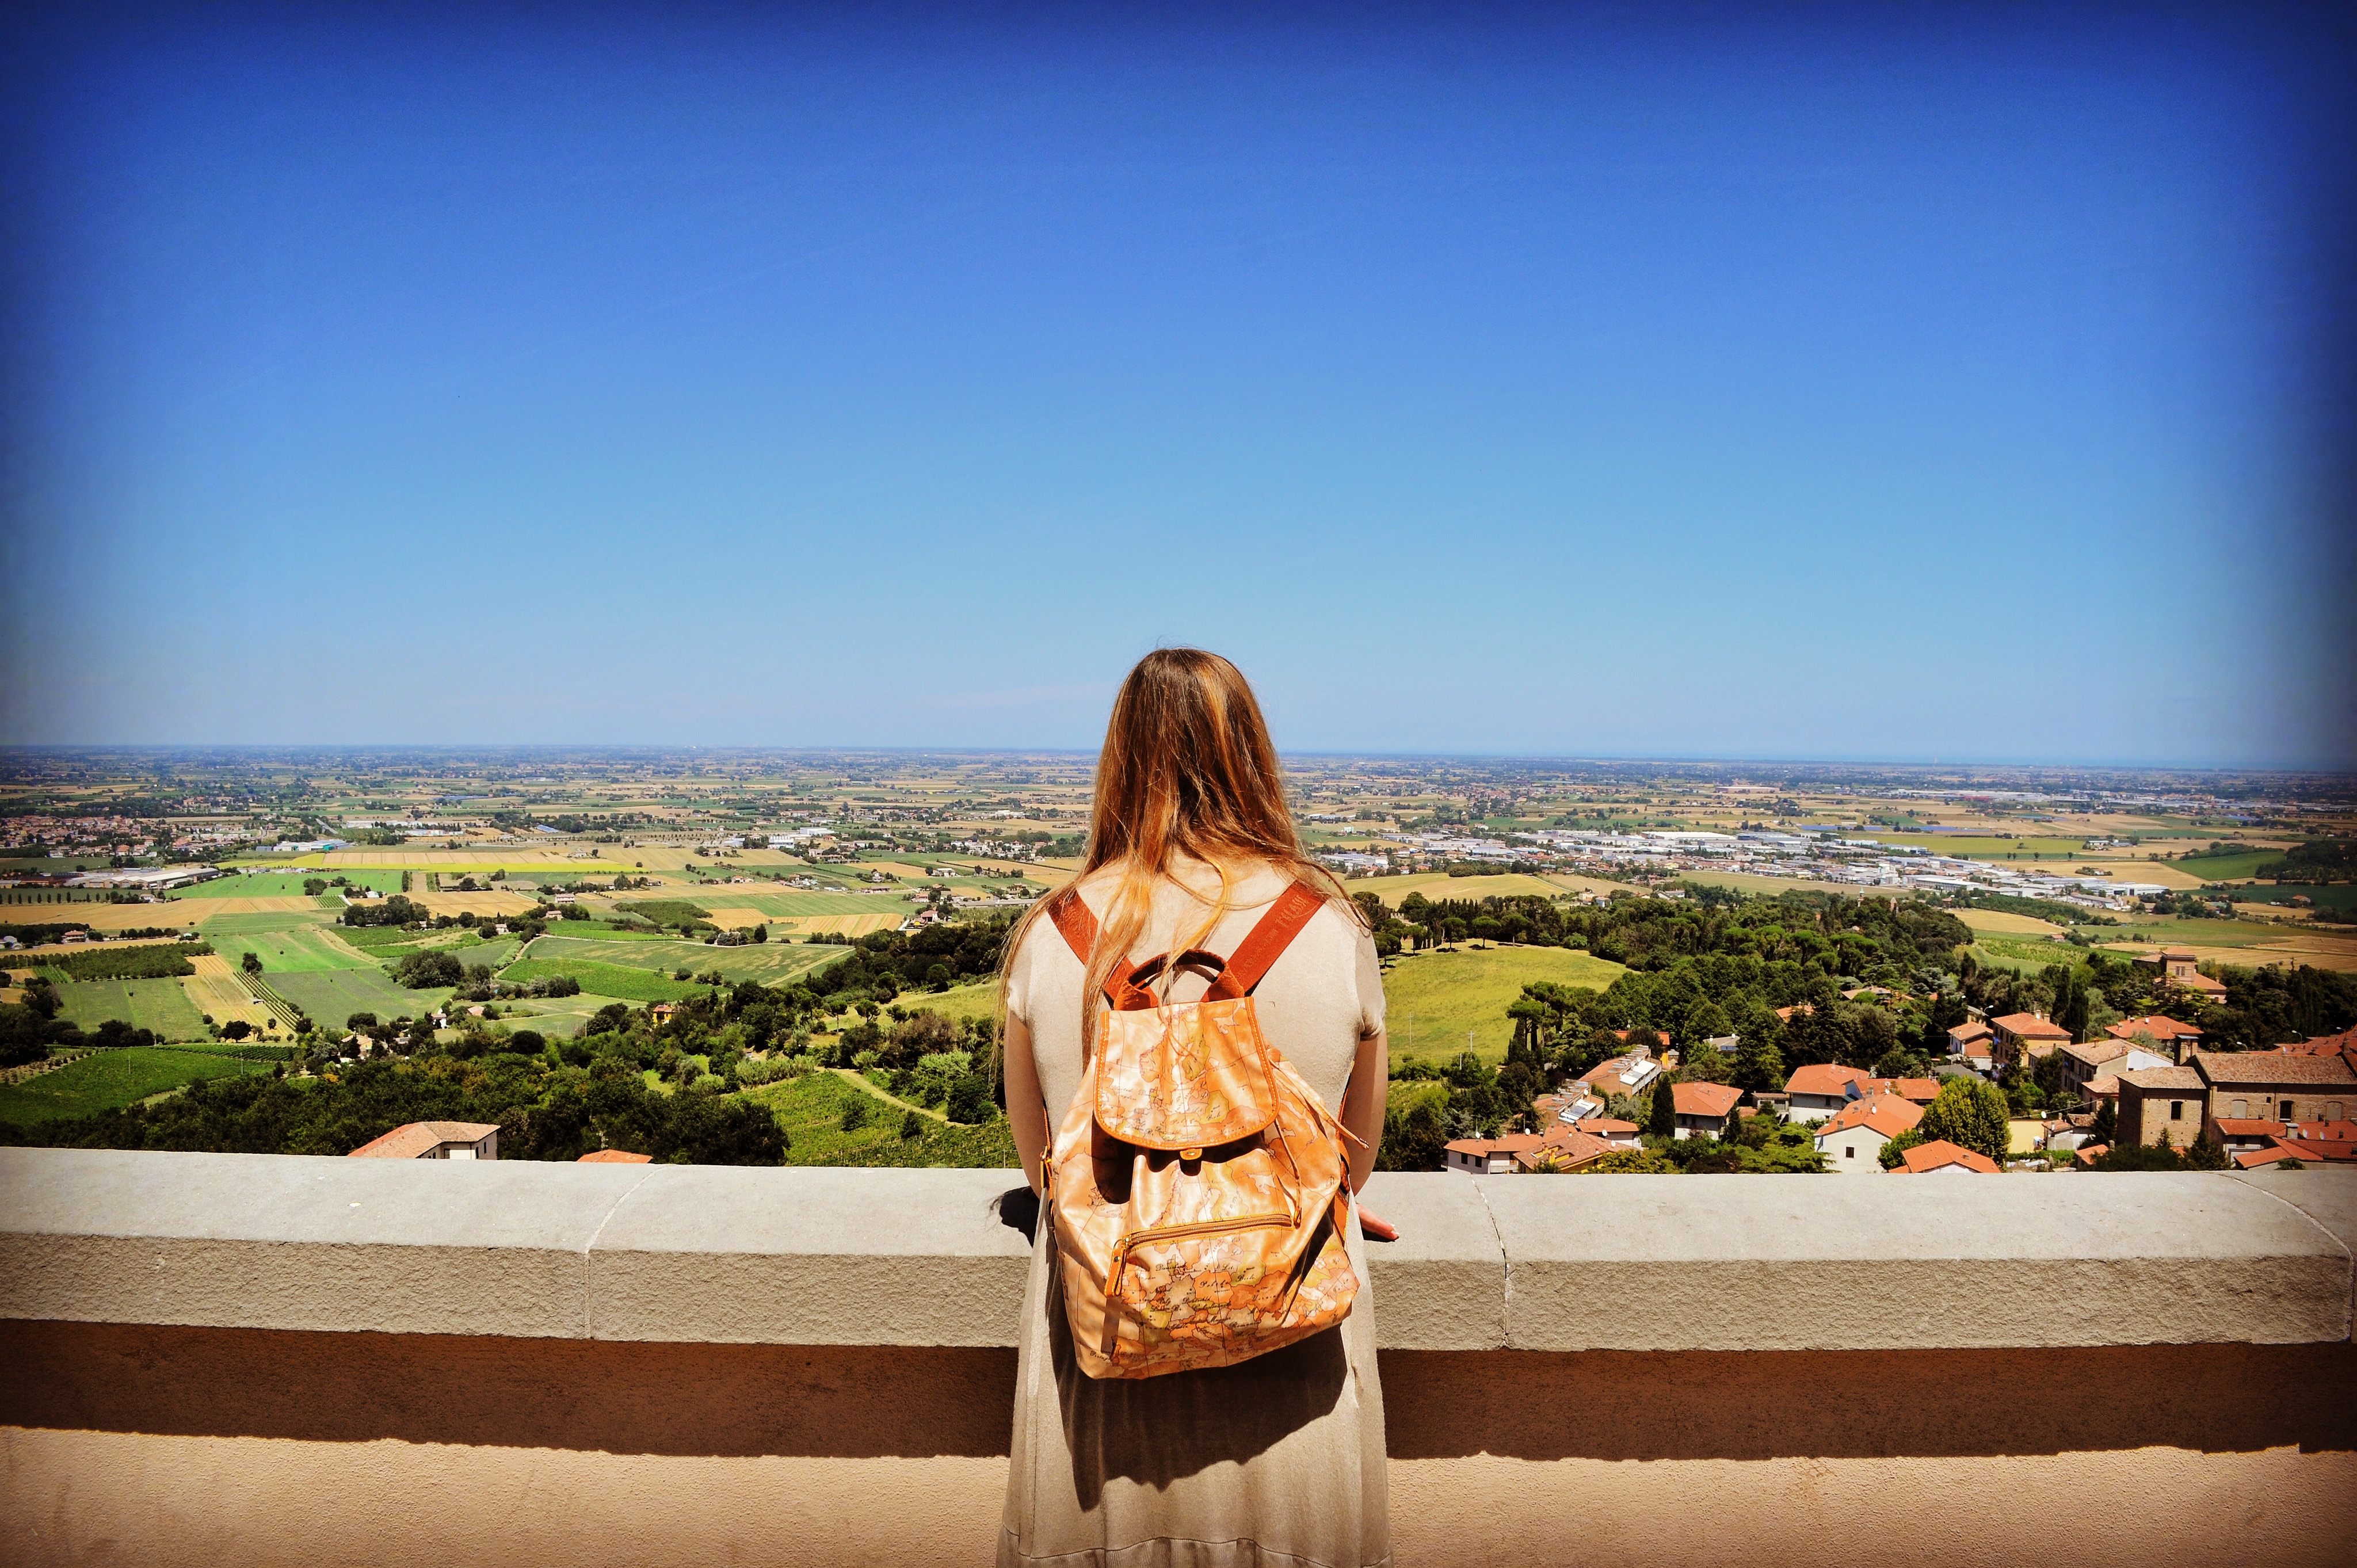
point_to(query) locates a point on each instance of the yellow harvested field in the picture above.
(840, 925)
(215, 990)
(2013, 925)
(728, 918)
(501, 903)
(100, 917)
(196, 909)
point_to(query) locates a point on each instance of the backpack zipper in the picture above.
(1170, 1233)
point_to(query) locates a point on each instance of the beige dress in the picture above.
(1275, 1461)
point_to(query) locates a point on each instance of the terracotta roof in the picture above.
(1823, 1077)
(2327, 1131)
(2248, 1126)
(2088, 1154)
(2155, 1025)
(1940, 1153)
(1921, 1090)
(1884, 1113)
(2200, 983)
(613, 1157)
(1966, 1032)
(2095, 1053)
(2268, 1066)
(2030, 1026)
(1601, 1125)
(2323, 1044)
(2273, 1153)
(2182, 1078)
(415, 1139)
(1576, 1147)
(1512, 1144)
(1704, 1099)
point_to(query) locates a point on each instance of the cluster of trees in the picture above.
(882, 964)
(551, 1101)
(2323, 860)
(155, 960)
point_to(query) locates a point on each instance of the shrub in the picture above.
(855, 1115)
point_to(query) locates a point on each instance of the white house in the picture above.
(1852, 1138)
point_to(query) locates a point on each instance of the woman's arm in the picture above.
(1027, 1108)
(1362, 1113)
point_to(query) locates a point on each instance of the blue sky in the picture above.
(1882, 382)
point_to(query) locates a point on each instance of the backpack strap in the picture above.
(1077, 921)
(1266, 941)
(1262, 947)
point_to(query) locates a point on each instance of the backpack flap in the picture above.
(1185, 1078)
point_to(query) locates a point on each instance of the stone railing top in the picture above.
(708, 1253)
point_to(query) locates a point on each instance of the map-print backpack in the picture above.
(1197, 1184)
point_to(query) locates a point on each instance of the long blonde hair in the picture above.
(1188, 769)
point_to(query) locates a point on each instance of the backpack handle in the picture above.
(1237, 975)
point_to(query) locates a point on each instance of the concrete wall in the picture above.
(230, 1359)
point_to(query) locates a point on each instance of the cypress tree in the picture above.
(1664, 1123)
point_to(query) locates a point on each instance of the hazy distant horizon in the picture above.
(1088, 753)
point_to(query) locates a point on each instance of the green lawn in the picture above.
(809, 1109)
(330, 997)
(111, 1079)
(162, 1005)
(1433, 999)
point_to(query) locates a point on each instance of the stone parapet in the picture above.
(718, 1255)
(253, 1360)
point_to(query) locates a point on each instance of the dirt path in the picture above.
(852, 1075)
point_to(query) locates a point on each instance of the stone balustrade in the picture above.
(228, 1358)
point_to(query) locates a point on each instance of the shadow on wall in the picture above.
(878, 1401)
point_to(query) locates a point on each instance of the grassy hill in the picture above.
(1434, 999)
(111, 1077)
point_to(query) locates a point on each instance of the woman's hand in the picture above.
(1376, 1226)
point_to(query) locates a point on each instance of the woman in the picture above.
(1276, 1460)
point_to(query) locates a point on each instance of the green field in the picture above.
(959, 1003)
(284, 884)
(221, 929)
(304, 950)
(1438, 886)
(1433, 999)
(2235, 867)
(605, 979)
(809, 1109)
(787, 905)
(330, 997)
(158, 1005)
(556, 1016)
(110, 1078)
(772, 964)
(2342, 896)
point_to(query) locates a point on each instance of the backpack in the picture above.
(1197, 1186)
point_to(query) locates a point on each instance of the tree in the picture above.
(1894, 1150)
(1629, 1162)
(912, 1126)
(251, 963)
(359, 1021)
(1970, 1113)
(2106, 1124)
(1664, 1120)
